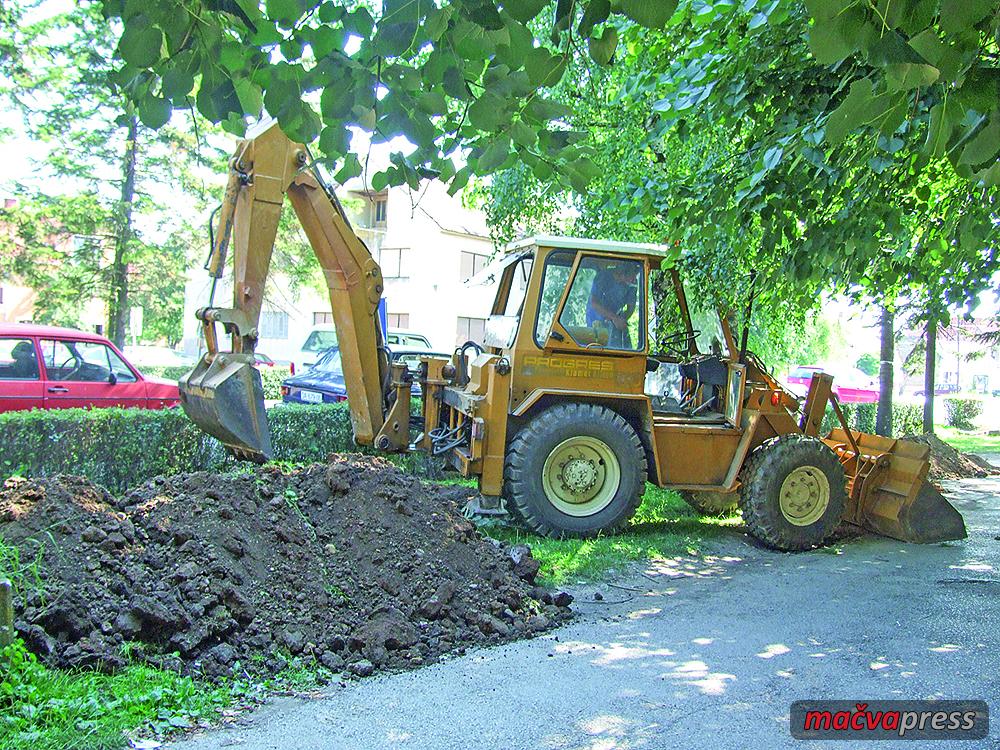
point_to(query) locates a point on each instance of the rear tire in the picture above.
(794, 493)
(575, 470)
(712, 503)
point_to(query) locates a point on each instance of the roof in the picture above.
(30, 329)
(582, 243)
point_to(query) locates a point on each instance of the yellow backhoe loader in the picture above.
(562, 413)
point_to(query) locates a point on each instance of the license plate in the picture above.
(311, 396)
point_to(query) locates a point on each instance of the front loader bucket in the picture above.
(223, 395)
(888, 492)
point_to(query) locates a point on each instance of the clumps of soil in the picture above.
(950, 463)
(353, 565)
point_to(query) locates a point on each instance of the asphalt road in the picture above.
(702, 653)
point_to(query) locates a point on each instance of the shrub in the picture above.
(962, 412)
(170, 372)
(270, 377)
(113, 447)
(907, 419)
(121, 448)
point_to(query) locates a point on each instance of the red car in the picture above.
(44, 367)
(855, 387)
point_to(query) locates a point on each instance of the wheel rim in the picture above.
(581, 476)
(804, 496)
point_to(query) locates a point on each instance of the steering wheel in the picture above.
(680, 342)
(78, 363)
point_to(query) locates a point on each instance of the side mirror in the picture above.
(112, 379)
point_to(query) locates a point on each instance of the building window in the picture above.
(1, 295)
(470, 329)
(322, 318)
(381, 211)
(273, 325)
(394, 262)
(398, 320)
(473, 263)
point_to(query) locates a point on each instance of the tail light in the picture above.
(285, 390)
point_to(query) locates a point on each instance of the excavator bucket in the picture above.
(223, 395)
(888, 492)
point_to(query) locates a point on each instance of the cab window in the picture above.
(18, 360)
(557, 269)
(604, 307)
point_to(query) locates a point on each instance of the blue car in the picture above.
(323, 383)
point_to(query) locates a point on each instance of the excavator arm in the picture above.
(223, 394)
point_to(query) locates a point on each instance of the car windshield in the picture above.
(329, 362)
(320, 340)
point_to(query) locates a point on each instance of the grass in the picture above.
(664, 526)
(969, 442)
(52, 709)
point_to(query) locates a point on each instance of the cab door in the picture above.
(88, 374)
(21, 384)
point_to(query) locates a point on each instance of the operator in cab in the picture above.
(612, 301)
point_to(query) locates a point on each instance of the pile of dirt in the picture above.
(354, 564)
(950, 463)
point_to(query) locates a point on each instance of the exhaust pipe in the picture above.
(224, 396)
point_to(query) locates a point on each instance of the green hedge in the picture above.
(907, 419)
(172, 372)
(962, 412)
(120, 448)
(270, 377)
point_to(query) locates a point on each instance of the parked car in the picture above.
(324, 336)
(850, 385)
(45, 367)
(324, 382)
(940, 389)
(145, 355)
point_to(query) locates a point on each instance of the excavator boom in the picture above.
(223, 394)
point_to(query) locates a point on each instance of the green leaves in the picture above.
(597, 11)
(933, 48)
(140, 43)
(602, 50)
(653, 14)
(154, 111)
(543, 68)
(524, 10)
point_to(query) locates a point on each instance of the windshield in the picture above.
(329, 362)
(320, 340)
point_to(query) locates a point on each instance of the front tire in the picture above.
(793, 494)
(575, 470)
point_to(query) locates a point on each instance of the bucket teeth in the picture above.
(223, 395)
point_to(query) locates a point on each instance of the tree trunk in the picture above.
(883, 417)
(118, 296)
(930, 359)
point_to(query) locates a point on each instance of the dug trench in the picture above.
(353, 565)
